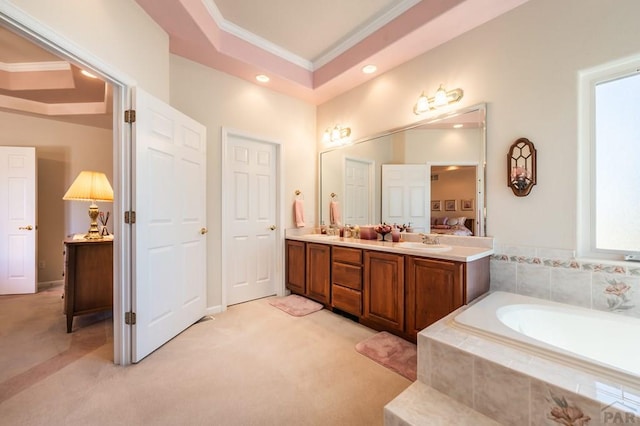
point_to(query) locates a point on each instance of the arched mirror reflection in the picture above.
(429, 175)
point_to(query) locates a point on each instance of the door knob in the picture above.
(203, 231)
(27, 228)
(272, 227)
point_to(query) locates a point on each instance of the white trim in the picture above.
(225, 191)
(347, 43)
(256, 40)
(35, 66)
(380, 21)
(585, 222)
(212, 310)
(45, 37)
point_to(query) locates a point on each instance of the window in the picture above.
(609, 198)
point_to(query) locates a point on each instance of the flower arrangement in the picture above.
(383, 229)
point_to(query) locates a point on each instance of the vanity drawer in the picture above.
(348, 255)
(347, 275)
(346, 299)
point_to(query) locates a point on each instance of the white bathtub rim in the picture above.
(489, 304)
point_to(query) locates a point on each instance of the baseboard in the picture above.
(45, 285)
(212, 310)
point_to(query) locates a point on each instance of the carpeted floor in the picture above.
(251, 365)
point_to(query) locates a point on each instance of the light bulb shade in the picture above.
(90, 186)
(422, 105)
(440, 98)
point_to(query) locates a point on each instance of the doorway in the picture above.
(252, 241)
(116, 89)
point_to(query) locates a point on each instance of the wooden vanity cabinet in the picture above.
(319, 273)
(346, 280)
(383, 291)
(434, 289)
(295, 259)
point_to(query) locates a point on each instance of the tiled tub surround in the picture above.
(512, 385)
(556, 275)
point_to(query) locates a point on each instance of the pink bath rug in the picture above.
(392, 352)
(295, 305)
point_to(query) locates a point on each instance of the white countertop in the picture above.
(459, 253)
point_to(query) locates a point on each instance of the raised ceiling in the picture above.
(313, 50)
(35, 82)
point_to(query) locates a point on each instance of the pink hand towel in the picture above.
(298, 213)
(334, 213)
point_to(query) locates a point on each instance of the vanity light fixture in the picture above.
(441, 98)
(337, 135)
(521, 167)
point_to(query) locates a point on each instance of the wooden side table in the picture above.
(88, 277)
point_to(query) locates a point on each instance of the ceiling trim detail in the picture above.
(198, 31)
(35, 66)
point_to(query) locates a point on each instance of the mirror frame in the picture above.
(481, 209)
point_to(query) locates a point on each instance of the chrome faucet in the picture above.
(430, 239)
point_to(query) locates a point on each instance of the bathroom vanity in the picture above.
(396, 287)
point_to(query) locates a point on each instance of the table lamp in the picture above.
(91, 186)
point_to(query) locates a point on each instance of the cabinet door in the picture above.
(435, 288)
(319, 272)
(295, 268)
(384, 290)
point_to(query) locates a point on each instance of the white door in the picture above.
(250, 243)
(169, 235)
(17, 220)
(405, 195)
(357, 199)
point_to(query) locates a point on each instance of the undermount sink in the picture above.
(424, 247)
(326, 236)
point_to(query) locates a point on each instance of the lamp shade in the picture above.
(90, 186)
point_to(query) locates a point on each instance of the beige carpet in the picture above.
(251, 365)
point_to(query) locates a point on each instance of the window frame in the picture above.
(586, 197)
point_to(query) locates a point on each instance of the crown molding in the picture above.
(256, 40)
(353, 39)
(35, 66)
(364, 32)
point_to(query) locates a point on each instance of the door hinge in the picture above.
(130, 116)
(130, 217)
(130, 318)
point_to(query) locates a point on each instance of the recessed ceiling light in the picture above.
(369, 69)
(458, 126)
(87, 73)
(262, 78)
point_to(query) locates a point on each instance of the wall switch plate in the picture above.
(632, 257)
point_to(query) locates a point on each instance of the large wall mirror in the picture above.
(431, 173)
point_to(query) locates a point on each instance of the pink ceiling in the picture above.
(195, 35)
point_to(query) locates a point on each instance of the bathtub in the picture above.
(599, 342)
